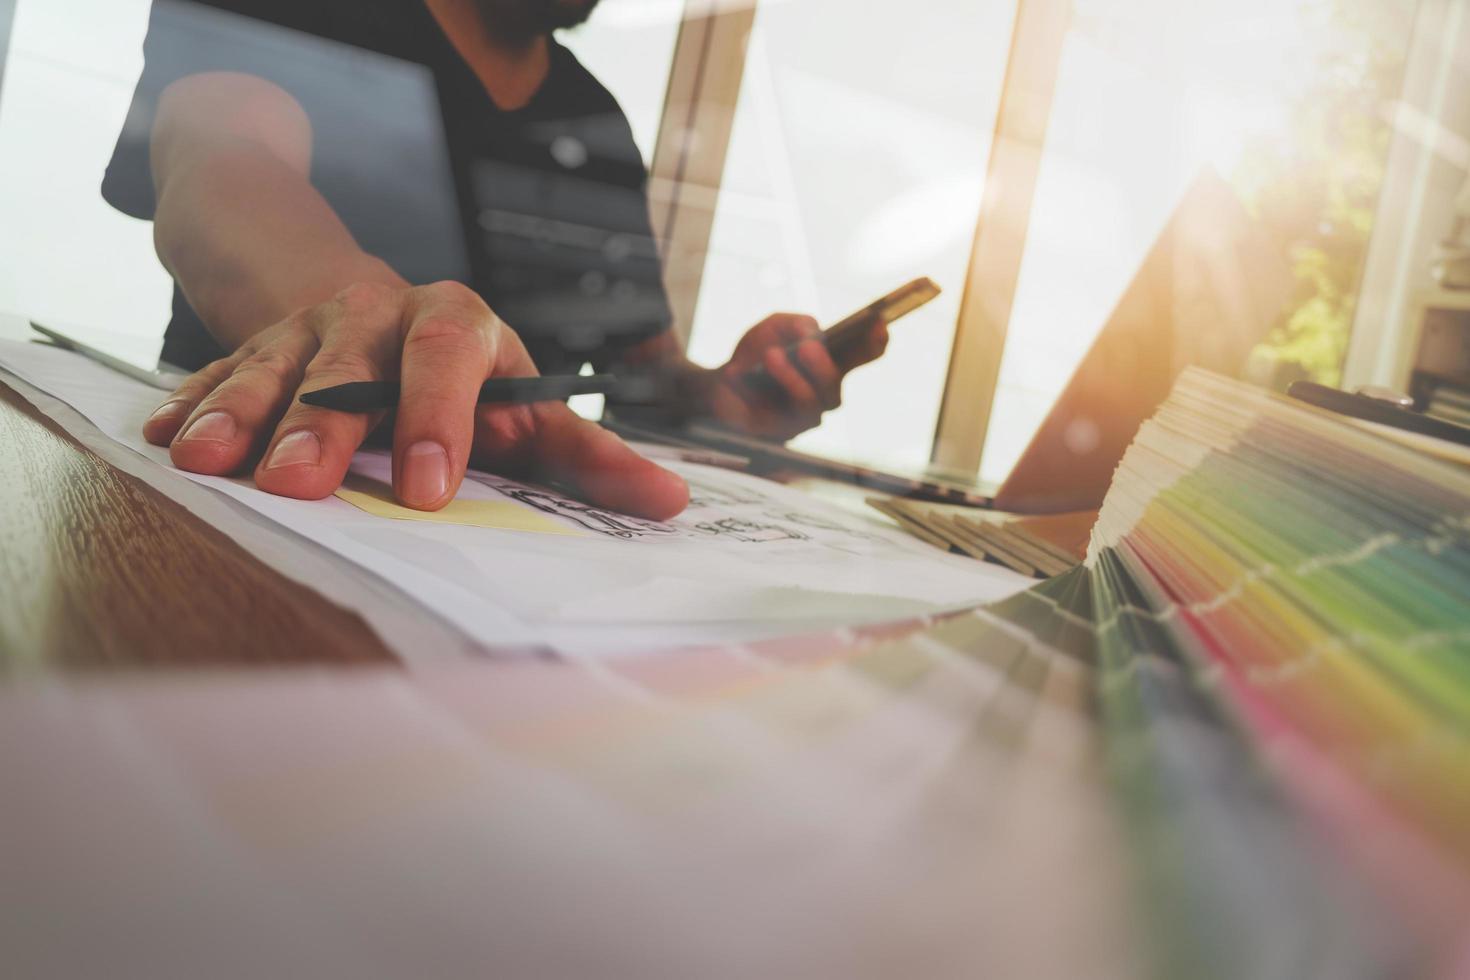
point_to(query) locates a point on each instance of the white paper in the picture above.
(748, 559)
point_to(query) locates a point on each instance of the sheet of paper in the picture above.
(749, 558)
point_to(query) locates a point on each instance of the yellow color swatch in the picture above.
(505, 515)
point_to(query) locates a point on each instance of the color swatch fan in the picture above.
(1281, 606)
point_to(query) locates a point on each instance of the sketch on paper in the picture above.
(816, 522)
(703, 494)
(607, 522)
(720, 512)
(749, 531)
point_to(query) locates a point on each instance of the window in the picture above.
(1284, 100)
(856, 162)
(66, 256)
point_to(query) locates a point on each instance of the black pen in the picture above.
(376, 396)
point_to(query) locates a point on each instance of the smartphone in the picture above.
(845, 333)
(841, 337)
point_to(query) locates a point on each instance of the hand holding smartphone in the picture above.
(851, 329)
(844, 335)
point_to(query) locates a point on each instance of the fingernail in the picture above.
(299, 448)
(425, 473)
(170, 410)
(212, 427)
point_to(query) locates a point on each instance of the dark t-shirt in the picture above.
(543, 210)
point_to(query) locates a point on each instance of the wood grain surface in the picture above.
(100, 570)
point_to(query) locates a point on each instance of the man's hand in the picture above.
(800, 380)
(440, 342)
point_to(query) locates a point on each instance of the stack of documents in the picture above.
(1036, 545)
(1280, 601)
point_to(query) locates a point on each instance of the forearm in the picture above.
(249, 240)
(238, 223)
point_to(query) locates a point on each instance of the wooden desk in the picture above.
(100, 570)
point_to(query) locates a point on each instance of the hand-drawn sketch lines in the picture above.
(607, 522)
(749, 531)
(820, 523)
(723, 513)
(702, 494)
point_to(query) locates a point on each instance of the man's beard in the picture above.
(529, 18)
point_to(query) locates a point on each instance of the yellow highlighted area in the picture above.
(503, 515)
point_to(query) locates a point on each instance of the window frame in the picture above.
(1422, 176)
(693, 139)
(688, 166)
(999, 246)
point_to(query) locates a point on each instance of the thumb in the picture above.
(601, 468)
(877, 341)
(870, 348)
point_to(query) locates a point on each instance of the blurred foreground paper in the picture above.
(749, 559)
(849, 808)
